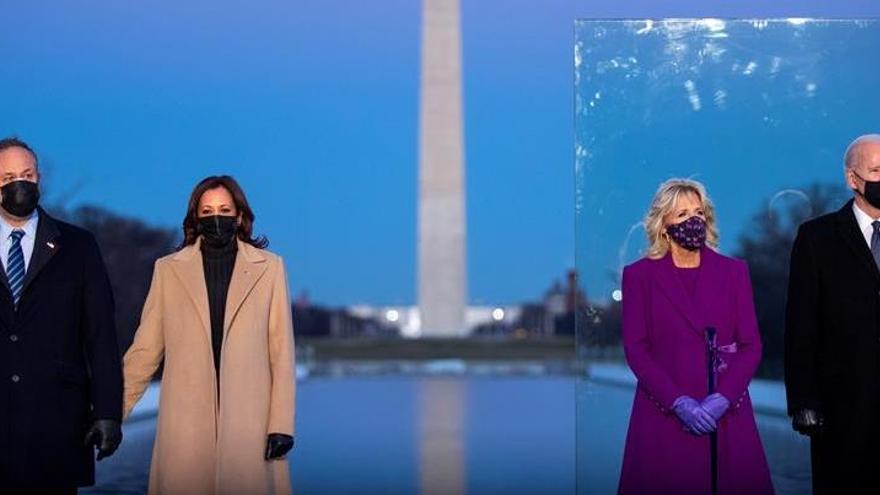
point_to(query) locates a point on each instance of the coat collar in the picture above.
(250, 264)
(251, 254)
(695, 308)
(848, 228)
(248, 270)
(46, 244)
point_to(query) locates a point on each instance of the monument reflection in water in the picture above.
(429, 428)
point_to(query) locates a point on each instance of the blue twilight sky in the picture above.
(313, 106)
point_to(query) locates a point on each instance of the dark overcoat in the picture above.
(59, 362)
(832, 349)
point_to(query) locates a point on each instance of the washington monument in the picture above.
(442, 269)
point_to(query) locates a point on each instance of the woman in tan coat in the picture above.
(218, 312)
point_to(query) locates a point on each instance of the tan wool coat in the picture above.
(212, 440)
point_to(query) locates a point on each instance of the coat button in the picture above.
(16, 378)
(13, 338)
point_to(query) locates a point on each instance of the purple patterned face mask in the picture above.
(690, 234)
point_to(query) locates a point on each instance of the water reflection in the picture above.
(405, 429)
(441, 437)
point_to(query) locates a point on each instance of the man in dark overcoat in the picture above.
(832, 332)
(60, 375)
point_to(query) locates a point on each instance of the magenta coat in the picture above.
(665, 345)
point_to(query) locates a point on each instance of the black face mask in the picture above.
(20, 197)
(218, 230)
(872, 191)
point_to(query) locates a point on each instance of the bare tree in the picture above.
(130, 247)
(767, 246)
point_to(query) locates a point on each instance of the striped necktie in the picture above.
(15, 265)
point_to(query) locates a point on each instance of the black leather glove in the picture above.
(807, 422)
(278, 445)
(105, 435)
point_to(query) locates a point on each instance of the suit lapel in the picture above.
(848, 228)
(45, 246)
(4, 280)
(191, 273)
(47, 242)
(711, 283)
(676, 293)
(7, 307)
(250, 265)
(697, 308)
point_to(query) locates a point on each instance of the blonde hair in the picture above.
(664, 202)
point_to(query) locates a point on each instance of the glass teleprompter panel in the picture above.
(761, 112)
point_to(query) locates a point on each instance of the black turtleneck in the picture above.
(218, 263)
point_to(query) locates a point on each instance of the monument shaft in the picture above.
(441, 244)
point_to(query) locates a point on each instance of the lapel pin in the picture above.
(51, 245)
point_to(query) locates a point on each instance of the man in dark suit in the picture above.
(832, 332)
(60, 376)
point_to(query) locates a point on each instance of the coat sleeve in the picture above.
(733, 382)
(637, 342)
(99, 331)
(802, 327)
(146, 352)
(281, 358)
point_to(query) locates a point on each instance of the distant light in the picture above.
(392, 315)
(617, 295)
(714, 25)
(497, 314)
(811, 89)
(797, 21)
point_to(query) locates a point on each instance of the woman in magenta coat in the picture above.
(670, 297)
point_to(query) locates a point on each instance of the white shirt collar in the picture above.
(29, 227)
(864, 220)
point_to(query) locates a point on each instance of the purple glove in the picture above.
(716, 405)
(695, 419)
